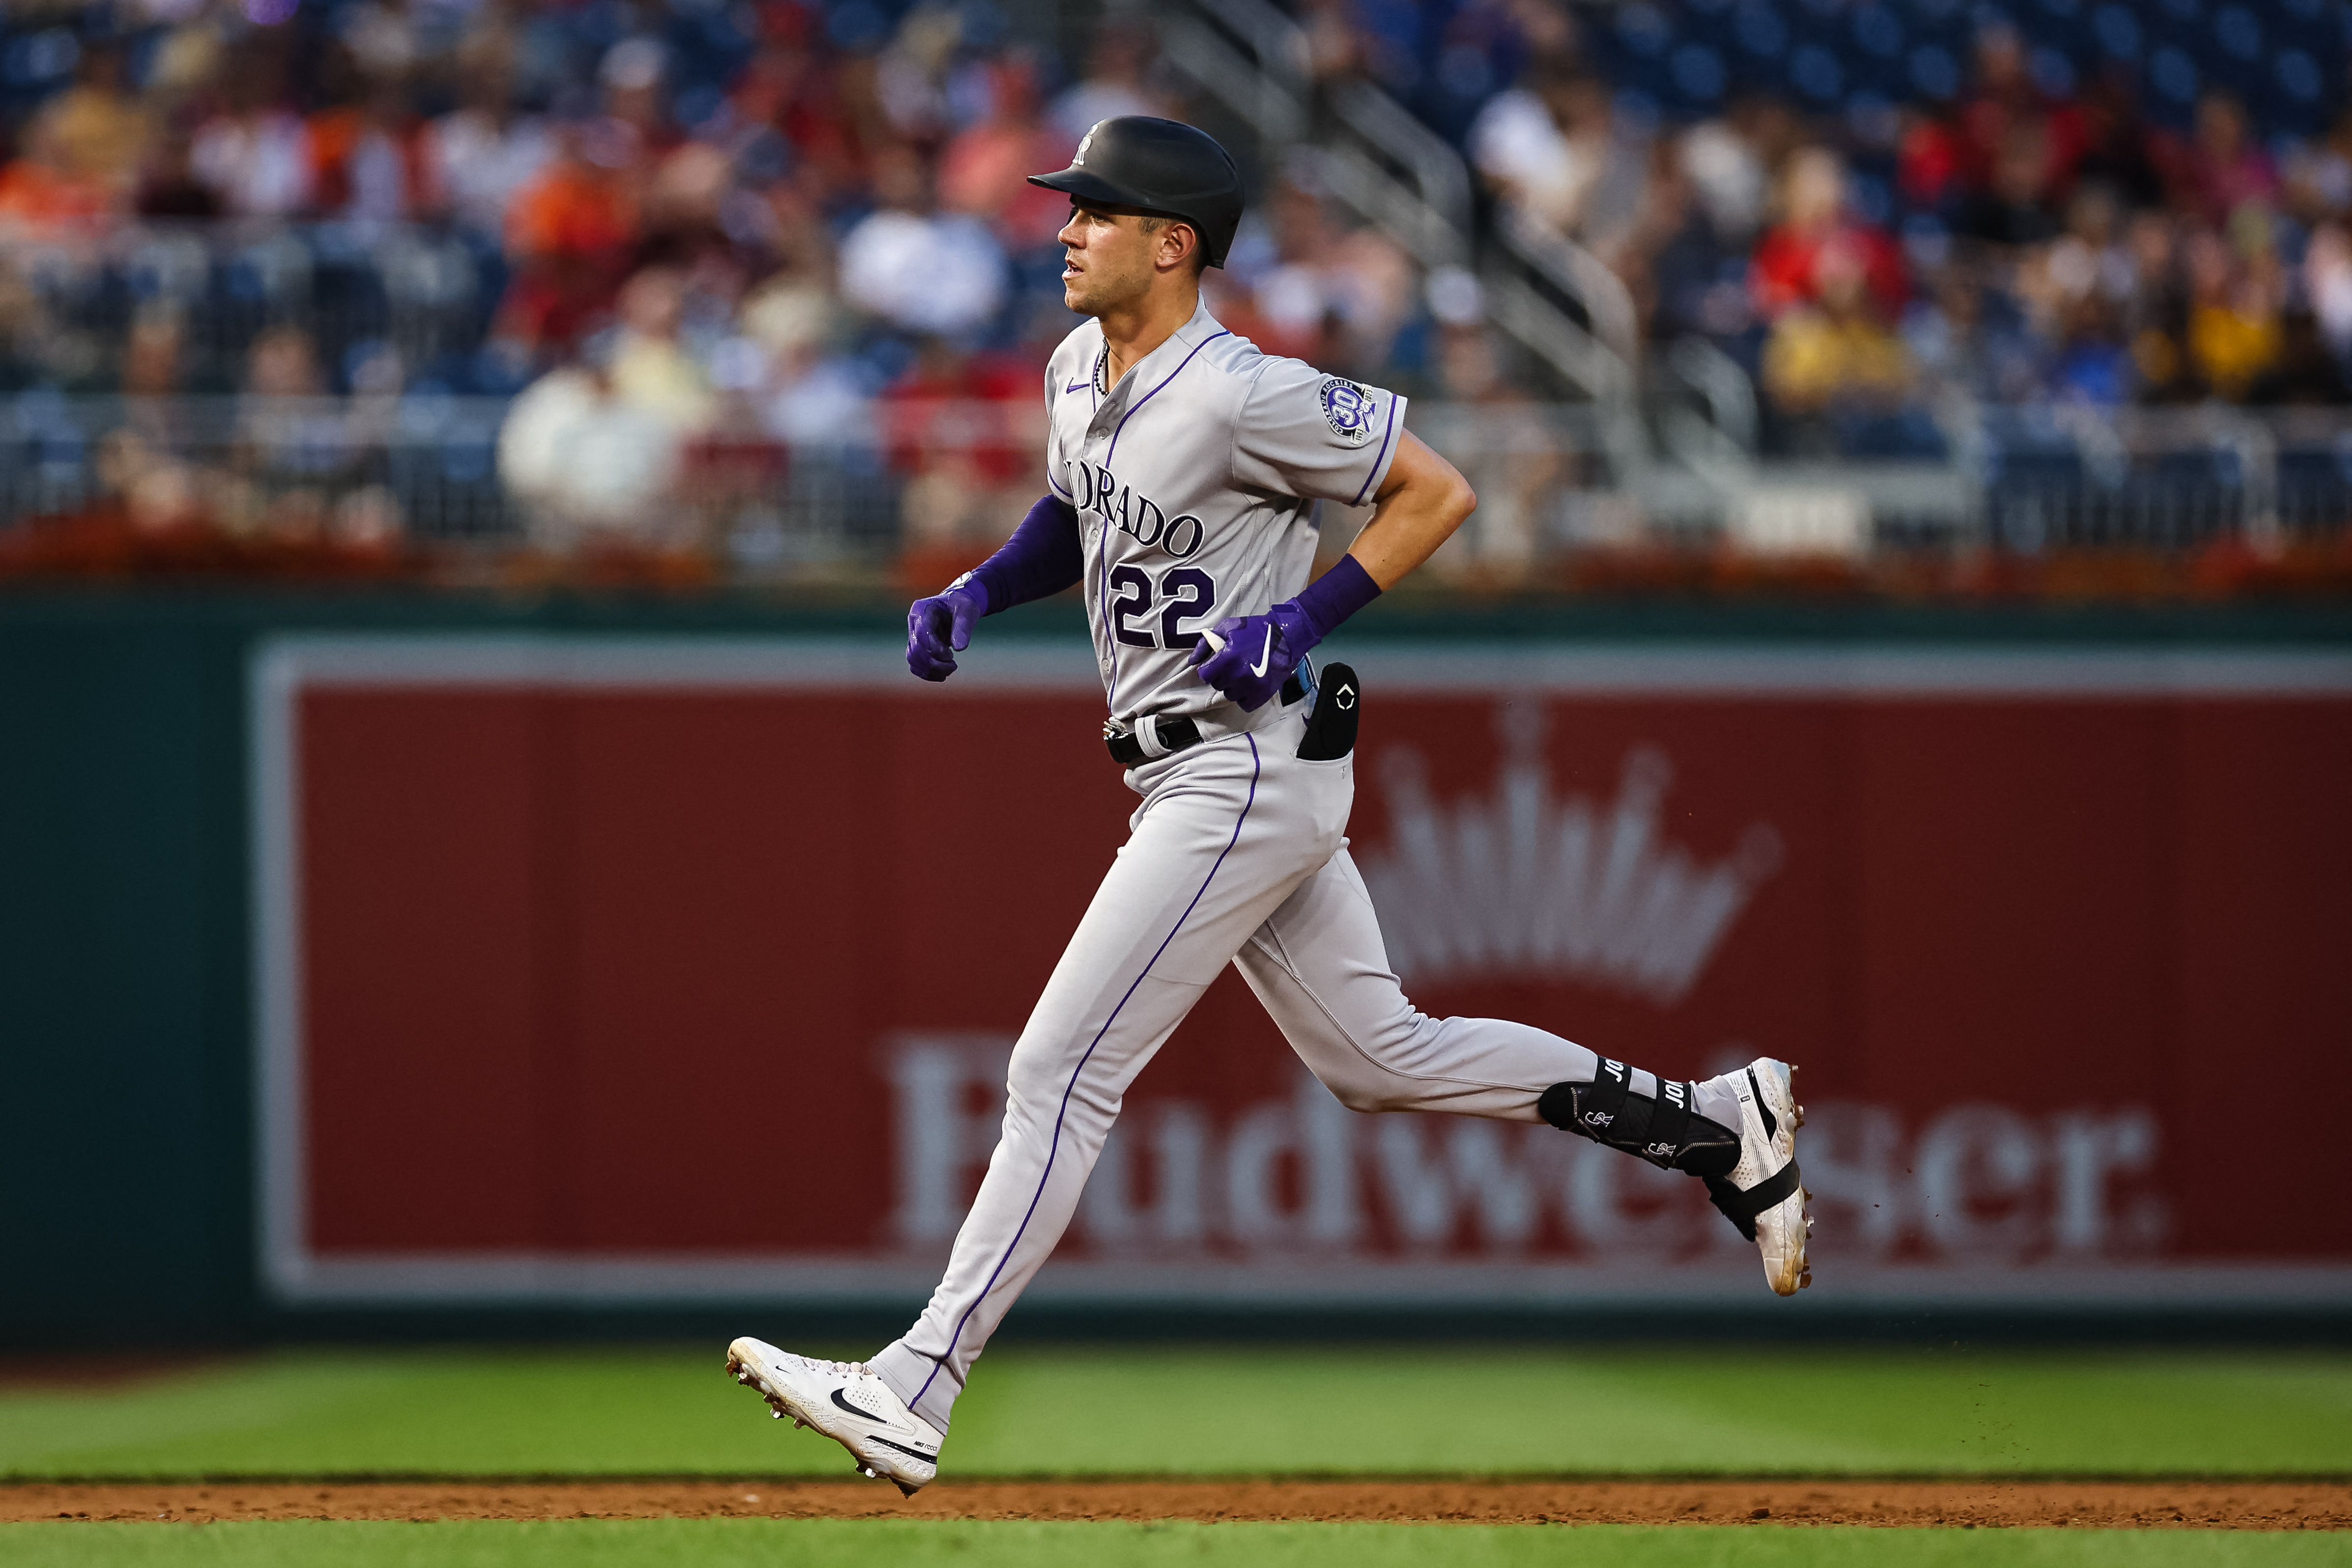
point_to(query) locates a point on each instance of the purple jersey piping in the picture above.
(1051, 478)
(1102, 559)
(1204, 342)
(1055, 1147)
(1388, 431)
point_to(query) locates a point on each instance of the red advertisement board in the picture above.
(630, 970)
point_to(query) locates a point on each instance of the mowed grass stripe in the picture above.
(836, 1543)
(1410, 1410)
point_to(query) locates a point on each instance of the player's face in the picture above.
(1109, 261)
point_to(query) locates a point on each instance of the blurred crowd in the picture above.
(1881, 209)
(674, 233)
(672, 227)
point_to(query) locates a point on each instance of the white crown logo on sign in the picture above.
(1526, 883)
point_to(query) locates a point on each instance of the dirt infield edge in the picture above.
(2206, 1504)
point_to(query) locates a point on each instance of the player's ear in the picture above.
(1178, 242)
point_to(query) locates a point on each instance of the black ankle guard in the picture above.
(1661, 1129)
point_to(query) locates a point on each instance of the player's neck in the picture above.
(1132, 332)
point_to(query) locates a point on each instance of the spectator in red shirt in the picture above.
(788, 88)
(965, 428)
(1786, 268)
(2005, 103)
(569, 235)
(2220, 168)
(1928, 160)
(2019, 205)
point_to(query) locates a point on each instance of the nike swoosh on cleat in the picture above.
(841, 1403)
(1268, 657)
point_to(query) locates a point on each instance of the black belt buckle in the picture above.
(1176, 734)
(1126, 746)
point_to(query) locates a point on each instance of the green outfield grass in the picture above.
(649, 1411)
(833, 1544)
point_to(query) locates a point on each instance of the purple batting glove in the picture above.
(1258, 655)
(939, 627)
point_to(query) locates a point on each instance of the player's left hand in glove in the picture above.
(1248, 657)
(939, 627)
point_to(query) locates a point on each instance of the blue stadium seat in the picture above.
(2281, 57)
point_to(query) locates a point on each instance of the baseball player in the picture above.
(1184, 465)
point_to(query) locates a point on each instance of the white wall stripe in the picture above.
(1696, 670)
(427, 1279)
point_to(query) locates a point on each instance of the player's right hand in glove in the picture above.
(1247, 658)
(939, 627)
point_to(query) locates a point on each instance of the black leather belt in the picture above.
(1176, 734)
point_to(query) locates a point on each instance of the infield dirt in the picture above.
(2236, 1505)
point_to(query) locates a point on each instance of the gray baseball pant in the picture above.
(1236, 855)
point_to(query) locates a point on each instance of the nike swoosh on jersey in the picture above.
(1268, 657)
(1076, 386)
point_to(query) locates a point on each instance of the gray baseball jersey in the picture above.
(1194, 479)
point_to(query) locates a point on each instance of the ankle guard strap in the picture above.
(1741, 1208)
(1660, 1128)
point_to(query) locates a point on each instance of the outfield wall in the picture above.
(421, 957)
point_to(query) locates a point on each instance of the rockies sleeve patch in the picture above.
(1350, 408)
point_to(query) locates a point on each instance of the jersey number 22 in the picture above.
(1184, 593)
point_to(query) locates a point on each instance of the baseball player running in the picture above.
(1185, 466)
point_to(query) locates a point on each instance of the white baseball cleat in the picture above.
(1764, 1196)
(844, 1400)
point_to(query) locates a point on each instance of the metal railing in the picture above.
(953, 476)
(1551, 296)
(2160, 478)
(426, 467)
(420, 291)
(1249, 57)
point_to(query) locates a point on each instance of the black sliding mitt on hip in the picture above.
(1338, 705)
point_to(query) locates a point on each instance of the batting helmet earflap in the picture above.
(1159, 166)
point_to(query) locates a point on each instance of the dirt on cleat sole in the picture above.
(776, 1411)
(1804, 1199)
